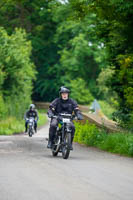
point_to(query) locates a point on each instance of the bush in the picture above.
(86, 133)
(90, 135)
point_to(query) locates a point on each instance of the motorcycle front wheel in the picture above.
(30, 132)
(56, 146)
(66, 146)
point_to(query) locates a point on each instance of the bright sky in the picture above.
(63, 1)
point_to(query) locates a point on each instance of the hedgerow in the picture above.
(90, 135)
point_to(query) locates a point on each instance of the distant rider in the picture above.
(63, 104)
(32, 112)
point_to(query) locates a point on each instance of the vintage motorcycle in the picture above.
(62, 139)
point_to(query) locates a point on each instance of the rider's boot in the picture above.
(35, 130)
(49, 146)
(71, 147)
(50, 143)
(26, 124)
(25, 129)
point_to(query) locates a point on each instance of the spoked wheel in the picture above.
(56, 147)
(66, 146)
(30, 132)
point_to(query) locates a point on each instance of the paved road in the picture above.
(29, 172)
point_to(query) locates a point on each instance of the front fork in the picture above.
(63, 136)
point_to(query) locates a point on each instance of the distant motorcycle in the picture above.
(31, 126)
(62, 139)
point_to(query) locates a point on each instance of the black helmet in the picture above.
(32, 106)
(64, 90)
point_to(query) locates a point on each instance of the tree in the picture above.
(17, 71)
(116, 29)
(81, 53)
(80, 92)
(36, 18)
(63, 48)
(114, 25)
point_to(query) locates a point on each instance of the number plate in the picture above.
(65, 120)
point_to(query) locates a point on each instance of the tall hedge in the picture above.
(16, 73)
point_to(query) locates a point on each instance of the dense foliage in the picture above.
(114, 25)
(86, 45)
(62, 48)
(90, 135)
(16, 73)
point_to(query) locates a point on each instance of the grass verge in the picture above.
(13, 125)
(90, 135)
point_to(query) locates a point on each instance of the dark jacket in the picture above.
(31, 113)
(64, 106)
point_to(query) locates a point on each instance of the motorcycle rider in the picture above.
(63, 104)
(32, 112)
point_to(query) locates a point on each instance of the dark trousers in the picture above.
(53, 126)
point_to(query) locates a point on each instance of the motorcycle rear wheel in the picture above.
(30, 132)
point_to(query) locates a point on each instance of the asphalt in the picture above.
(28, 171)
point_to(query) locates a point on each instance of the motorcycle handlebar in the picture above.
(64, 115)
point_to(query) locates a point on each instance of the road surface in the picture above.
(29, 172)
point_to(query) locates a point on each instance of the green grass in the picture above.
(42, 118)
(12, 125)
(90, 135)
